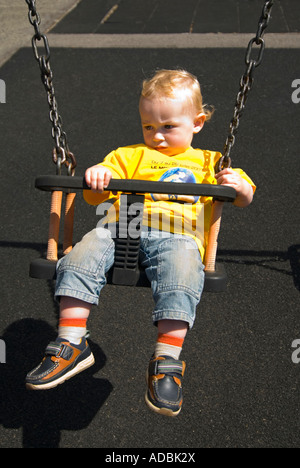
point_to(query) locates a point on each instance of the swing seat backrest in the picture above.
(126, 270)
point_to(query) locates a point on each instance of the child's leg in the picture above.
(176, 328)
(175, 269)
(70, 353)
(80, 278)
(171, 335)
(165, 371)
(72, 321)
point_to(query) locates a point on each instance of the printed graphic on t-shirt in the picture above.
(177, 174)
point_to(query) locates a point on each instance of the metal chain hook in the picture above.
(61, 153)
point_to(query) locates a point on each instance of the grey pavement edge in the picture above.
(16, 32)
(15, 29)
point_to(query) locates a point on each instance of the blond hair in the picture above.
(168, 83)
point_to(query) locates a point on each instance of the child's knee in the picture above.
(180, 267)
(94, 251)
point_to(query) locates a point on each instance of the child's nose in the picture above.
(158, 136)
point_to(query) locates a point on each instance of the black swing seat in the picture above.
(126, 270)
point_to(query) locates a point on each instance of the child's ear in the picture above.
(199, 122)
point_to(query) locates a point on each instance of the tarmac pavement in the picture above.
(15, 27)
(242, 380)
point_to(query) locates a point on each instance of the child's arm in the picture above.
(243, 188)
(98, 177)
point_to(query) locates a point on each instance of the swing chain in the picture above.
(246, 83)
(61, 153)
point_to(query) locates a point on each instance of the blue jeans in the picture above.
(172, 263)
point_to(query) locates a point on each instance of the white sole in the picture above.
(164, 411)
(88, 362)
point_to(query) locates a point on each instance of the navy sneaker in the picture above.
(62, 361)
(164, 392)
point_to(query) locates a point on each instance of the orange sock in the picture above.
(72, 329)
(72, 322)
(168, 345)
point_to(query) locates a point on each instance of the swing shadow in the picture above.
(44, 414)
(267, 259)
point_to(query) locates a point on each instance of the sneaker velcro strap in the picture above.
(53, 349)
(59, 350)
(167, 366)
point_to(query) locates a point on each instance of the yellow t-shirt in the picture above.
(190, 218)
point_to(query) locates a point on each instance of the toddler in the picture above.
(171, 111)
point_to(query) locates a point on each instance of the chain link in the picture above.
(246, 83)
(61, 153)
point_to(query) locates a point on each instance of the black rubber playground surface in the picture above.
(241, 387)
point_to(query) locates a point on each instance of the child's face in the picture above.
(168, 126)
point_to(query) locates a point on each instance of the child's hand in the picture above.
(243, 190)
(230, 177)
(97, 178)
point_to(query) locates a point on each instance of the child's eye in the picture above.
(169, 126)
(148, 127)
